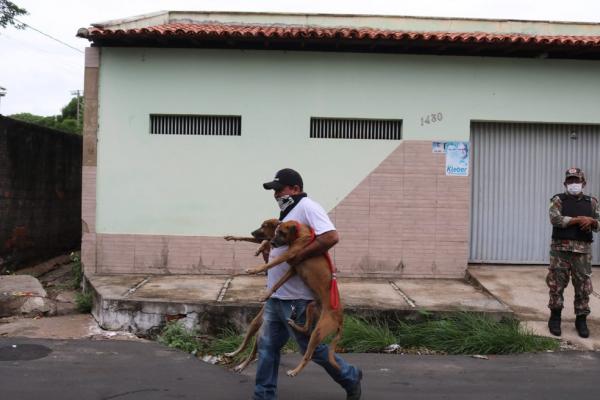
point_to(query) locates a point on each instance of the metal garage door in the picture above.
(516, 170)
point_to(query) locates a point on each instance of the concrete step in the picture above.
(143, 303)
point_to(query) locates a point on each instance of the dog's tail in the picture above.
(333, 345)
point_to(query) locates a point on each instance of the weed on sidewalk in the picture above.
(460, 333)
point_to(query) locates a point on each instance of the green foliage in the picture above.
(76, 269)
(32, 119)
(57, 122)
(177, 336)
(226, 342)
(291, 347)
(67, 121)
(8, 12)
(70, 110)
(461, 333)
(470, 333)
(69, 125)
(84, 302)
(362, 336)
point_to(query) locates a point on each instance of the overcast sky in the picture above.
(39, 73)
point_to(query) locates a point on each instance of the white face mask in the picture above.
(574, 188)
(284, 202)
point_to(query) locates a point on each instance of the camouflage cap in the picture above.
(576, 172)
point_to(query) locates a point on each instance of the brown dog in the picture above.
(262, 235)
(317, 273)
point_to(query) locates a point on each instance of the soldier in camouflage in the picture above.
(573, 216)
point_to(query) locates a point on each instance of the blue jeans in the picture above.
(275, 333)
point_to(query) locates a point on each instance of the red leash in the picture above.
(334, 293)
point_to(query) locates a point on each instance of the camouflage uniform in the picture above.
(570, 258)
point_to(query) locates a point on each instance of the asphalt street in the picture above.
(43, 369)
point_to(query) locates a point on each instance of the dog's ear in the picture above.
(292, 231)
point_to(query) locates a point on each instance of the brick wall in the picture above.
(155, 254)
(405, 219)
(40, 193)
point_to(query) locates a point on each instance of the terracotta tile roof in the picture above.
(352, 39)
(313, 32)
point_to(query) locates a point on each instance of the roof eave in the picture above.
(448, 48)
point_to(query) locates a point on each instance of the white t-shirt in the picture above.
(306, 212)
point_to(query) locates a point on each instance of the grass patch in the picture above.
(470, 333)
(460, 333)
(84, 302)
(177, 336)
(226, 342)
(362, 336)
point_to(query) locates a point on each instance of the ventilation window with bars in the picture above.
(369, 129)
(208, 125)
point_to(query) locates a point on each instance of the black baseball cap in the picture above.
(284, 177)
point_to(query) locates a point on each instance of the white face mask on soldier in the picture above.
(284, 202)
(574, 188)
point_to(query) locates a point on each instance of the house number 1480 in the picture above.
(432, 118)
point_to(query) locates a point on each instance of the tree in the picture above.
(66, 121)
(71, 109)
(8, 12)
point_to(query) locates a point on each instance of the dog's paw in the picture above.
(253, 271)
(230, 355)
(296, 327)
(291, 373)
(239, 368)
(228, 238)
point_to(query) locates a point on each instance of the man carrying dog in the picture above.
(573, 216)
(291, 299)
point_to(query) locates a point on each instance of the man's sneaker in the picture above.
(356, 391)
(581, 326)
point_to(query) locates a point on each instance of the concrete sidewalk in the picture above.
(523, 289)
(141, 304)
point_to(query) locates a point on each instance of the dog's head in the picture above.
(266, 230)
(285, 234)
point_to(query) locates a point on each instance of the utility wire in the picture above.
(45, 34)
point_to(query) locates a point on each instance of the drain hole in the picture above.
(19, 352)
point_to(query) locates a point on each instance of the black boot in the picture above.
(554, 322)
(581, 326)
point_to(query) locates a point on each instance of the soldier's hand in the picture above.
(586, 223)
(574, 221)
